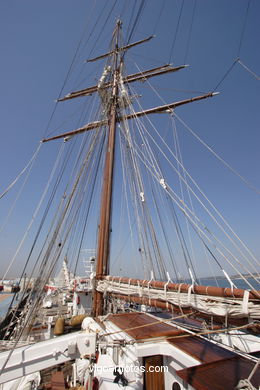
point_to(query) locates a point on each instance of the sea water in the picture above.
(238, 283)
(4, 305)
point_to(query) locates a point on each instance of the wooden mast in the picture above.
(102, 264)
(106, 197)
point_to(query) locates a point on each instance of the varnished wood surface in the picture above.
(220, 369)
(201, 349)
(127, 321)
(220, 375)
(153, 380)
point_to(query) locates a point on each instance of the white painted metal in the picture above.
(31, 358)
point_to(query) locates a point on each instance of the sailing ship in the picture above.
(165, 330)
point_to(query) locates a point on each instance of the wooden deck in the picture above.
(219, 369)
(142, 326)
(201, 349)
(219, 375)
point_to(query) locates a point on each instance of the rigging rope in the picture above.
(188, 333)
(38, 232)
(179, 157)
(46, 270)
(131, 18)
(159, 16)
(103, 27)
(190, 30)
(224, 162)
(204, 333)
(69, 71)
(88, 209)
(155, 246)
(160, 175)
(176, 32)
(196, 185)
(36, 211)
(173, 262)
(136, 21)
(187, 212)
(22, 171)
(225, 75)
(247, 182)
(136, 188)
(194, 222)
(185, 209)
(124, 159)
(160, 321)
(248, 69)
(17, 197)
(243, 29)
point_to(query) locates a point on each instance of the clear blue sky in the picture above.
(38, 40)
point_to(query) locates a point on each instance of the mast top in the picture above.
(120, 49)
